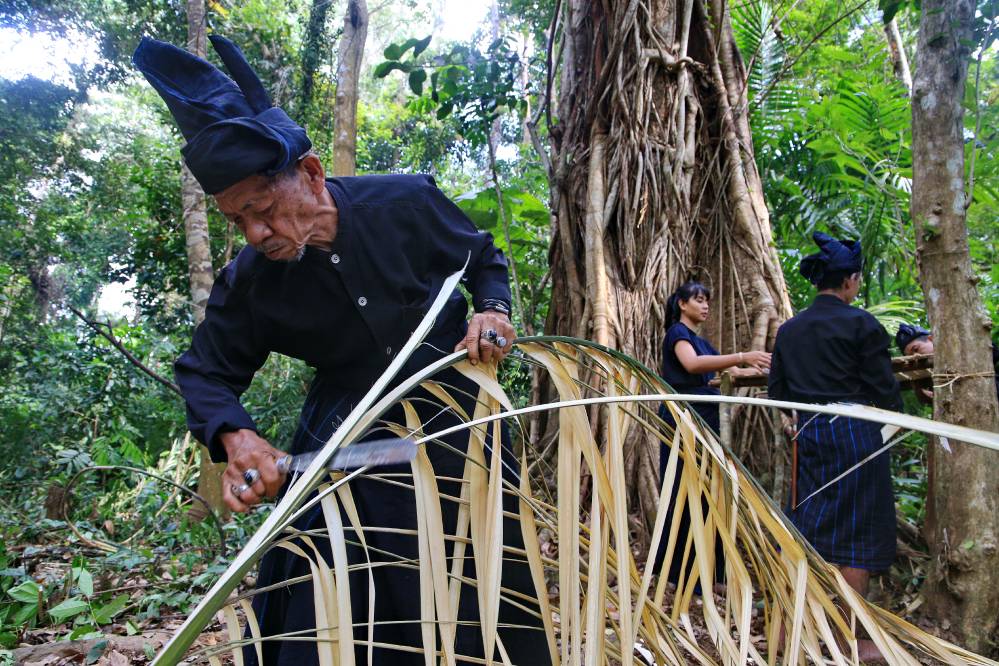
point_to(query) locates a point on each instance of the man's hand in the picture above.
(480, 348)
(789, 424)
(251, 458)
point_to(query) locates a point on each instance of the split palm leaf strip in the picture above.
(596, 600)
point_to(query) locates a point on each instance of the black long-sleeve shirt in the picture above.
(346, 311)
(833, 352)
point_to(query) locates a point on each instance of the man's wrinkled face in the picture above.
(923, 345)
(271, 214)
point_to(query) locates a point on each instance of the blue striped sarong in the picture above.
(852, 522)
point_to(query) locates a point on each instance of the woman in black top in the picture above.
(689, 363)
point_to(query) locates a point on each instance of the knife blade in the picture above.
(390, 451)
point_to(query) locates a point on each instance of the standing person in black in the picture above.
(834, 352)
(336, 272)
(689, 364)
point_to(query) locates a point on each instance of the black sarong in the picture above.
(852, 522)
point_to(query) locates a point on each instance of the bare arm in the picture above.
(696, 365)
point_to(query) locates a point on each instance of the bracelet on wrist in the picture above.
(496, 305)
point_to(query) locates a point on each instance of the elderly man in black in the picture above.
(337, 272)
(833, 352)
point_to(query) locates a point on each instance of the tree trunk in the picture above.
(355, 32)
(199, 254)
(899, 61)
(315, 37)
(654, 182)
(962, 518)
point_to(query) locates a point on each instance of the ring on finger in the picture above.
(240, 489)
(489, 334)
(250, 476)
(500, 342)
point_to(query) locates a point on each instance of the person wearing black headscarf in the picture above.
(337, 272)
(913, 339)
(834, 352)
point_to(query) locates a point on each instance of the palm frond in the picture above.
(609, 601)
(892, 314)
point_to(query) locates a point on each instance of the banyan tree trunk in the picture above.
(654, 182)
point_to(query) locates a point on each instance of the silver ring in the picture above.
(240, 489)
(500, 342)
(489, 334)
(250, 476)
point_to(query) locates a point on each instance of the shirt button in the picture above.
(362, 301)
(335, 258)
(388, 351)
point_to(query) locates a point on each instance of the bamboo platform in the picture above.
(910, 371)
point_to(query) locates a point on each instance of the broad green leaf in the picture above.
(69, 608)
(26, 592)
(106, 613)
(96, 652)
(889, 8)
(421, 45)
(84, 580)
(85, 632)
(393, 52)
(25, 614)
(416, 79)
(384, 68)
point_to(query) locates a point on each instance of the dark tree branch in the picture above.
(104, 330)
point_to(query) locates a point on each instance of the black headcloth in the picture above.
(907, 333)
(834, 256)
(232, 130)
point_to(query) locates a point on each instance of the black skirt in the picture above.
(382, 503)
(708, 411)
(852, 522)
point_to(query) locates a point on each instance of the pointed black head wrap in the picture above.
(834, 256)
(232, 130)
(907, 333)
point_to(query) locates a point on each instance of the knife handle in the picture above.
(284, 465)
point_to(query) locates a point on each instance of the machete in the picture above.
(391, 451)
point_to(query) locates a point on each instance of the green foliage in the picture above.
(90, 196)
(837, 156)
(890, 8)
(475, 86)
(529, 229)
(393, 137)
(769, 95)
